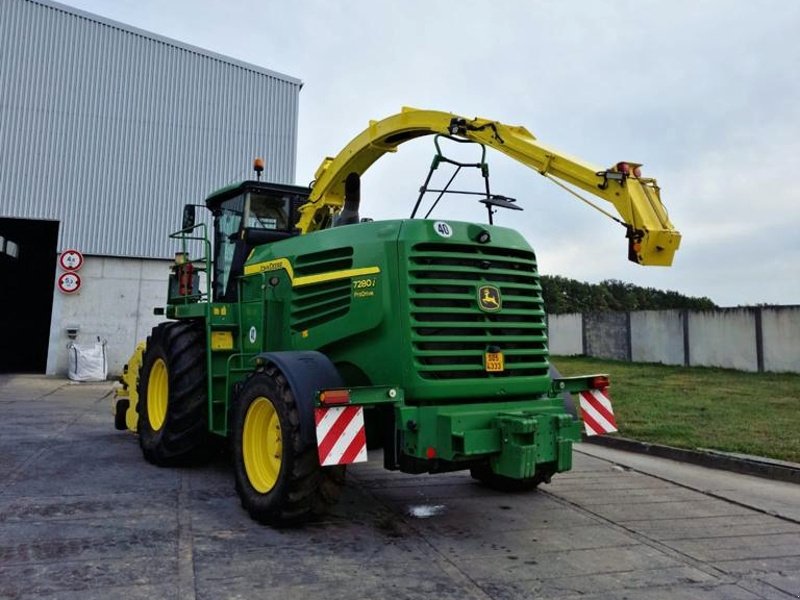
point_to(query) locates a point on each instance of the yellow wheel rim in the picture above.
(157, 394)
(262, 446)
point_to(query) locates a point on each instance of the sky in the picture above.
(705, 93)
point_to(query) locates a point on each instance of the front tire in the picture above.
(173, 396)
(278, 478)
(120, 414)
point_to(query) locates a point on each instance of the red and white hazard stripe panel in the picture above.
(598, 416)
(341, 438)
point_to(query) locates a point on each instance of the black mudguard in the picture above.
(569, 403)
(307, 372)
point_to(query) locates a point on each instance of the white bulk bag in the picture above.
(87, 362)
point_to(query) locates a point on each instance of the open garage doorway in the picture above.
(27, 271)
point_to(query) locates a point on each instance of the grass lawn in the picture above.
(700, 407)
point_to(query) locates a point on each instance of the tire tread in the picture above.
(184, 437)
(308, 489)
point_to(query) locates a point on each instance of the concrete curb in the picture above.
(760, 467)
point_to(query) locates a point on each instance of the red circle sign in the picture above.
(69, 282)
(71, 260)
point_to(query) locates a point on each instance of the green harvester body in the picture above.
(440, 337)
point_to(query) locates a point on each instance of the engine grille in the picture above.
(319, 303)
(324, 261)
(450, 333)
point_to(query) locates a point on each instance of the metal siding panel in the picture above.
(110, 130)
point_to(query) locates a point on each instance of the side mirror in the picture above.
(188, 216)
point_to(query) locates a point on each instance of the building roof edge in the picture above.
(165, 40)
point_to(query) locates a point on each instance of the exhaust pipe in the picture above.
(352, 200)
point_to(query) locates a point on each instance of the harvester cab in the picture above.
(247, 215)
(314, 330)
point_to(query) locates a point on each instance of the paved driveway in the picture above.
(83, 516)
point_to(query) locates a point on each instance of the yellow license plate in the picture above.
(494, 362)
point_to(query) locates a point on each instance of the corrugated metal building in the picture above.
(105, 132)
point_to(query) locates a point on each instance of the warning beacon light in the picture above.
(629, 169)
(258, 167)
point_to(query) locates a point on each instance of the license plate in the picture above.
(494, 362)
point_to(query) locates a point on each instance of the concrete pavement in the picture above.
(82, 516)
(772, 497)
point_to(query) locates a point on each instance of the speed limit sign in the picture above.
(69, 282)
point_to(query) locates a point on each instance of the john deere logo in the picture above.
(489, 298)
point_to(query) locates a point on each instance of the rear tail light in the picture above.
(599, 382)
(332, 397)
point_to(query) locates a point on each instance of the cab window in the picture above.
(226, 229)
(268, 212)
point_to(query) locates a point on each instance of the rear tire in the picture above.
(278, 478)
(173, 395)
(483, 473)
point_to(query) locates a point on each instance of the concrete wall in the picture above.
(723, 338)
(657, 336)
(117, 297)
(747, 339)
(781, 337)
(606, 335)
(565, 334)
(115, 302)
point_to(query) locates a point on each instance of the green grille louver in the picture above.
(318, 303)
(314, 263)
(450, 333)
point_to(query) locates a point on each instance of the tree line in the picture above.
(565, 295)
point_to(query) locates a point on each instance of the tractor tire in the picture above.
(278, 478)
(173, 395)
(483, 473)
(120, 414)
